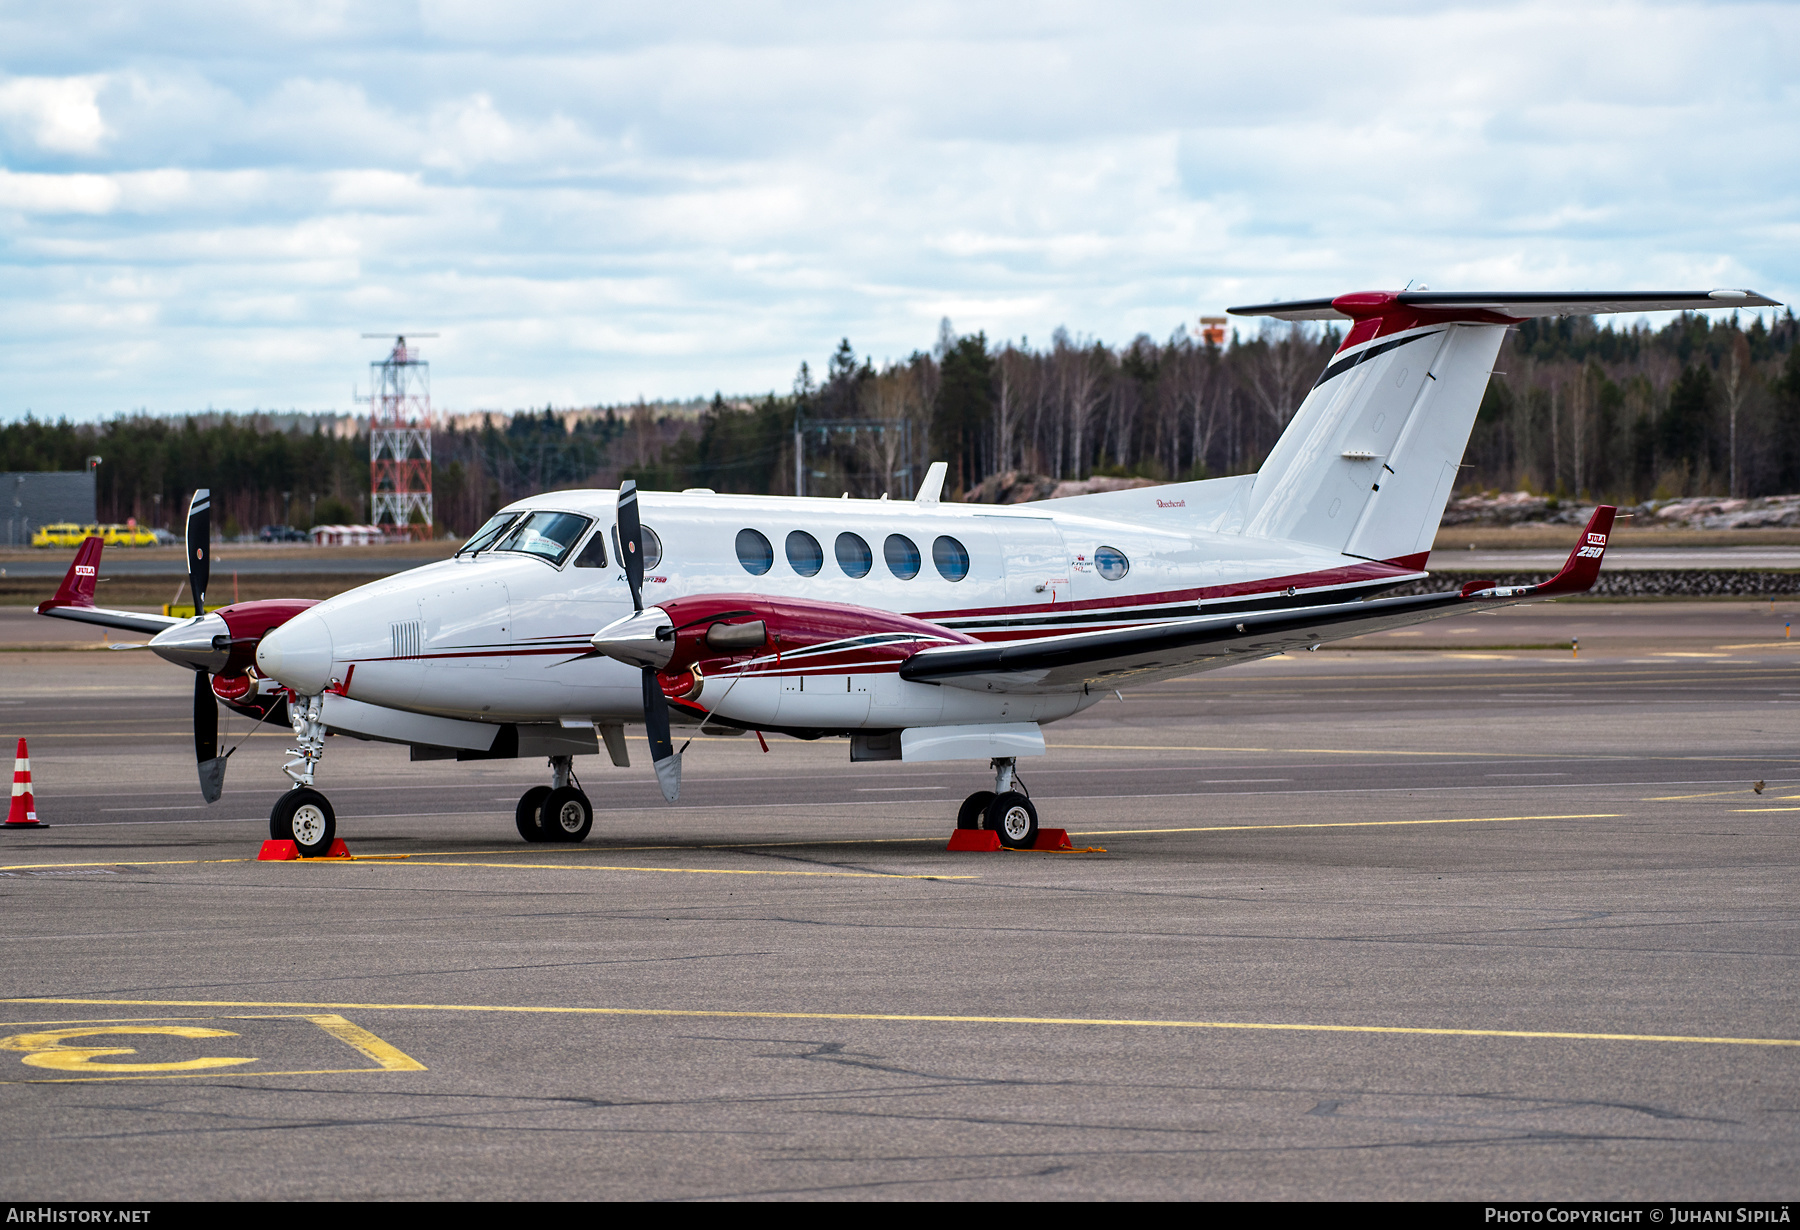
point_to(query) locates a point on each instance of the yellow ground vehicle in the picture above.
(58, 534)
(68, 534)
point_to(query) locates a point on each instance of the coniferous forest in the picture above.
(1574, 410)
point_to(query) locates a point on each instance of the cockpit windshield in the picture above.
(486, 536)
(547, 535)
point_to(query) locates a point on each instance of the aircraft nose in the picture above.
(298, 654)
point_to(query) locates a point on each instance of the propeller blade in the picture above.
(206, 738)
(662, 748)
(631, 545)
(199, 547)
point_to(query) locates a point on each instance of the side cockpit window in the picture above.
(594, 554)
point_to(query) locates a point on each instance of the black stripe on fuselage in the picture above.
(1364, 355)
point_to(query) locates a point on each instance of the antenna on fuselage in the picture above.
(932, 489)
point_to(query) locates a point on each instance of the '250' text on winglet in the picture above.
(1577, 575)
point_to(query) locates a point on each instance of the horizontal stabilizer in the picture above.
(1514, 303)
(75, 596)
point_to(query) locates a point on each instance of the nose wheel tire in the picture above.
(304, 817)
(530, 817)
(567, 815)
(973, 809)
(1012, 816)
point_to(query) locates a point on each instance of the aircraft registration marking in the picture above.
(88, 1048)
(939, 1018)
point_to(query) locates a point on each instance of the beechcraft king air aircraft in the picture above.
(920, 630)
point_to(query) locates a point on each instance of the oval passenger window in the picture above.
(853, 555)
(1112, 563)
(754, 552)
(951, 558)
(902, 556)
(805, 554)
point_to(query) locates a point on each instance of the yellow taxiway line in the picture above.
(417, 860)
(935, 1018)
(401, 860)
(1341, 824)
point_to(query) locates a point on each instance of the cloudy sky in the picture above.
(204, 205)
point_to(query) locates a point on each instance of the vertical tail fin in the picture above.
(1367, 463)
(80, 582)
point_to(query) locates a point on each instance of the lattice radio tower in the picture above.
(400, 441)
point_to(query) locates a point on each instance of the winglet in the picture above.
(1578, 574)
(79, 583)
(1583, 566)
(933, 487)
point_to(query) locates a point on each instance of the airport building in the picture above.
(30, 499)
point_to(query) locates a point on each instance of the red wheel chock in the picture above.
(288, 852)
(987, 841)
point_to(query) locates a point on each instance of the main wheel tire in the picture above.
(304, 817)
(1014, 818)
(567, 815)
(530, 814)
(973, 809)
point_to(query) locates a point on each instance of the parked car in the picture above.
(283, 533)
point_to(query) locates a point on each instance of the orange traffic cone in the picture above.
(24, 808)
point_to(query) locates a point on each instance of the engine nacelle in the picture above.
(720, 631)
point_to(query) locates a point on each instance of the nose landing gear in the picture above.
(1004, 810)
(303, 815)
(558, 812)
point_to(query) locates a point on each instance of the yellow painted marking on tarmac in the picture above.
(414, 860)
(170, 1076)
(1339, 824)
(46, 1048)
(1783, 644)
(390, 1057)
(1711, 794)
(937, 1018)
(1687, 654)
(1750, 809)
(695, 871)
(159, 862)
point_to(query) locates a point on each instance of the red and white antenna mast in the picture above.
(400, 441)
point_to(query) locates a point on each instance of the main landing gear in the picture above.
(558, 812)
(303, 815)
(1006, 809)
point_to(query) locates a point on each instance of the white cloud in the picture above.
(59, 114)
(596, 201)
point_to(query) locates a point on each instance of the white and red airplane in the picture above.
(920, 630)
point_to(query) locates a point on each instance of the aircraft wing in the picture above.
(75, 597)
(1115, 658)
